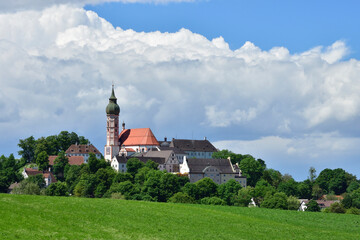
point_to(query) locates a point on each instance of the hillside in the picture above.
(40, 217)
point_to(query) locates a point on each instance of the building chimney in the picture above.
(205, 138)
(165, 139)
(123, 126)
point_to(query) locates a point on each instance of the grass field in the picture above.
(41, 217)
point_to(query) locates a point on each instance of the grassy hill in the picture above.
(41, 217)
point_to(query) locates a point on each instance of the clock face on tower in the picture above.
(107, 151)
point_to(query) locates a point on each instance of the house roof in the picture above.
(121, 159)
(77, 149)
(176, 150)
(34, 172)
(130, 150)
(138, 137)
(161, 154)
(193, 145)
(198, 165)
(73, 160)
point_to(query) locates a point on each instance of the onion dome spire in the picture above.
(112, 108)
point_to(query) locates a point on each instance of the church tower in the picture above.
(112, 146)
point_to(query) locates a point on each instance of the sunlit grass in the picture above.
(41, 217)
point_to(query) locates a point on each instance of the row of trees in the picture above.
(32, 149)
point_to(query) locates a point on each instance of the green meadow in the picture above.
(42, 217)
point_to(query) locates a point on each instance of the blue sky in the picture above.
(276, 79)
(296, 25)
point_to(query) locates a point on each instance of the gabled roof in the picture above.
(198, 165)
(138, 137)
(161, 154)
(73, 160)
(78, 149)
(193, 145)
(176, 150)
(34, 172)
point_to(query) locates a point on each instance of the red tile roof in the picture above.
(73, 160)
(34, 172)
(138, 137)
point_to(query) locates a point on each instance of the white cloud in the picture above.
(57, 65)
(20, 5)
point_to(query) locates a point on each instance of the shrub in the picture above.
(212, 201)
(293, 203)
(276, 201)
(243, 198)
(117, 195)
(337, 208)
(312, 206)
(353, 211)
(28, 188)
(57, 189)
(181, 198)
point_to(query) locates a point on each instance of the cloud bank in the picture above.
(57, 66)
(19, 5)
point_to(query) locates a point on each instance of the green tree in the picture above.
(206, 187)
(337, 208)
(312, 206)
(192, 190)
(227, 191)
(57, 189)
(354, 185)
(252, 169)
(277, 201)
(27, 149)
(304, 189)
(293, 203)
(224, 154)
(133, 165)
(244, 197)
(60, 163)
(272, 176)
(312, 174)
(317, 192)
(151, 165)
(289, 187)
(42, 160)
(261, 189)
(181, 197)
(337, 183)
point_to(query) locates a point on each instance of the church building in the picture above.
(128, 141)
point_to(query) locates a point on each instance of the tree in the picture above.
(337, 183)
(337, 208)
(42, 161)
(289, 187)
(207, 187)
(227, 191)
(272, 176)
(324, 178)
(277, 201)
(304, 189)
(261, 189)
(316, 191)
(60, 163)
(181, 197)
(252, 169)
(312, 174)
(151, 164)
(95, 164)
(57, 189)
(354, 185)
(244, 197)
(28, 149)
(293, 203)
(312, 206)
(133, 165)
(192, 190)
(224, 154)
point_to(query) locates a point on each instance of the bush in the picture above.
(57, 189)
(243, 198)
(117, 195)
(312, 206)
(212, 201)
(293, 203)
(28, 188)
(181, 198)
(337, 208)
(276, 201)
(353, 211)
